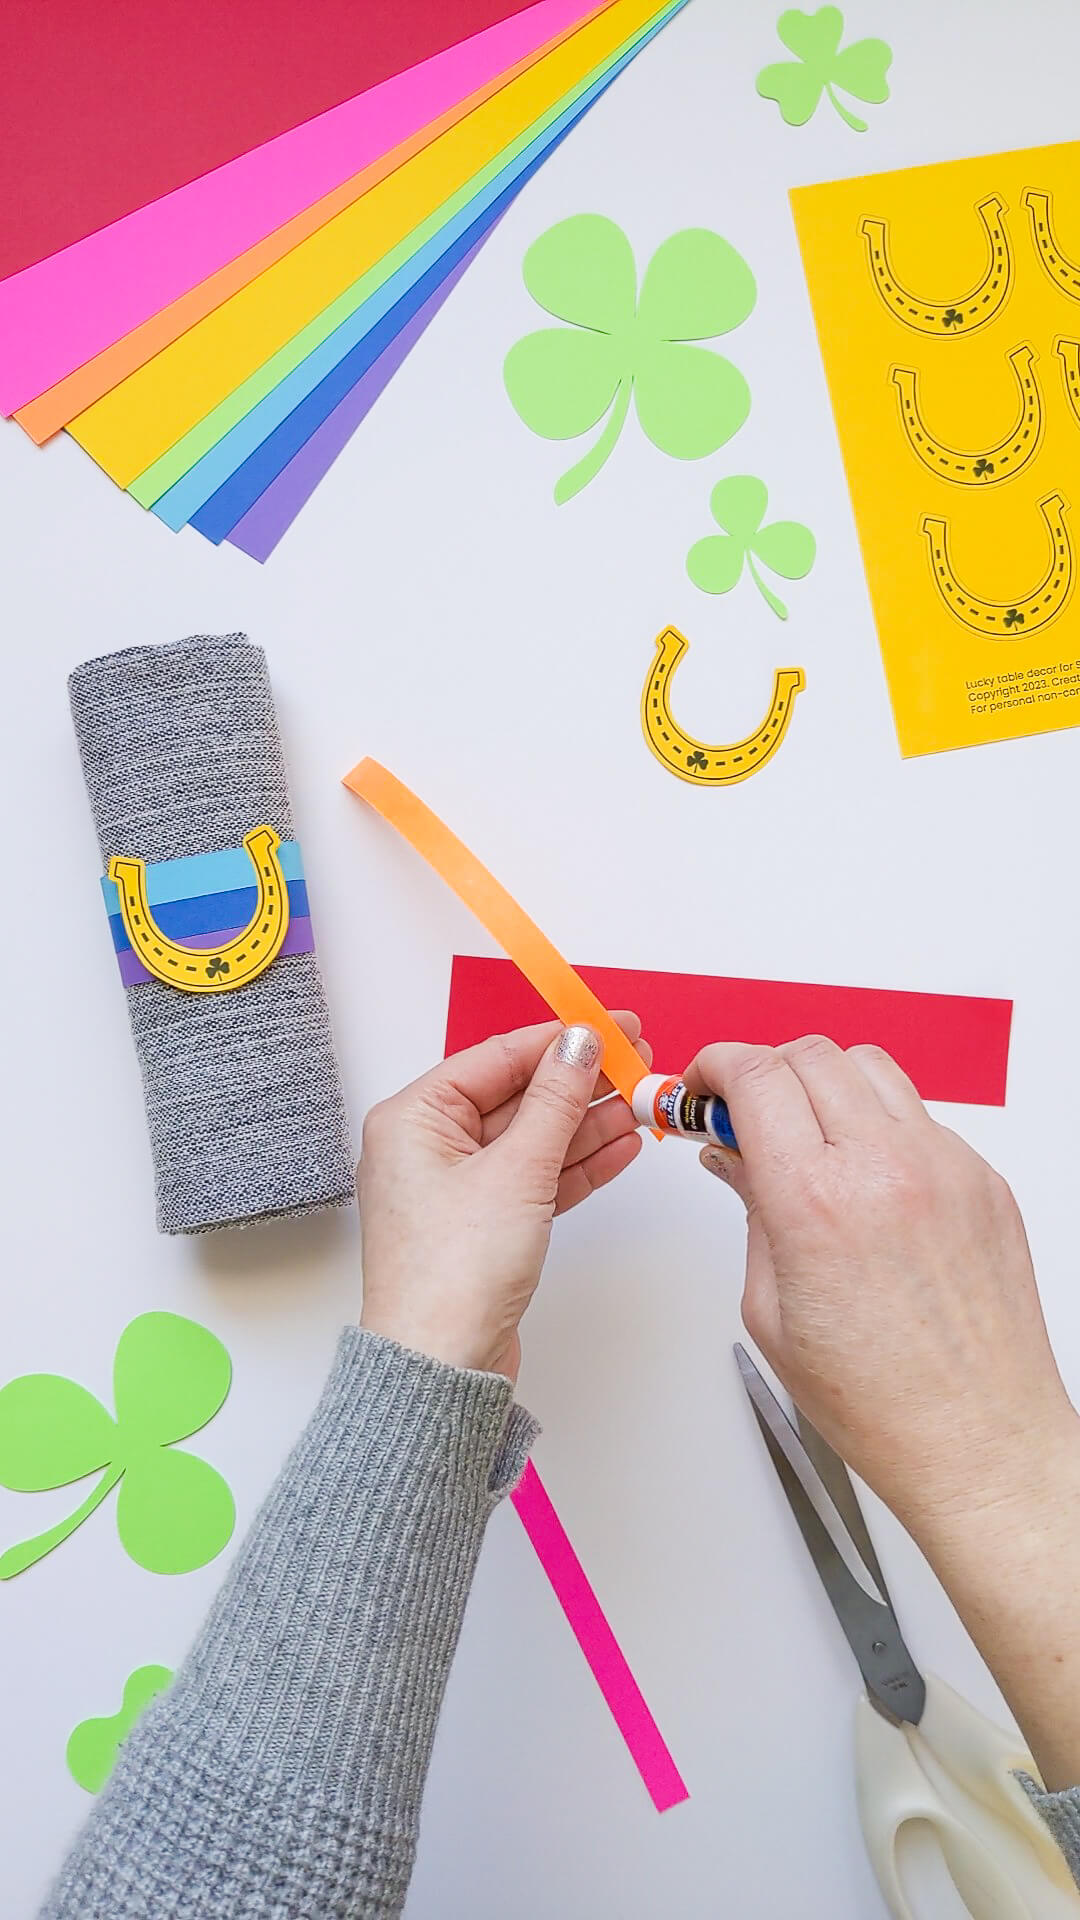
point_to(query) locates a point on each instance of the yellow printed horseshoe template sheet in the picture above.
(947, 304)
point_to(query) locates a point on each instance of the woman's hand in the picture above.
(461, 1176)
(888, 1276)
(889, 1283)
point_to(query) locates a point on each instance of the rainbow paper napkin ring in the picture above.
(212, 921)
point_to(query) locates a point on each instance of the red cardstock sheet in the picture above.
(108, 107)
(954, 1047)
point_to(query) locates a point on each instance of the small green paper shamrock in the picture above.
(94, 1744)
(174, 1512)
(739, 505)
(563, 380)
(820, 65)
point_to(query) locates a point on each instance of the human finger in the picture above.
(774, 1121)
(728, 1166)
(631, 1026)
(761, 1301)
(502, 1066)
(596, 1170)
(605, 1121)
(898, 1095)
(553, 1105)
(846, 1102)
(496, 1122)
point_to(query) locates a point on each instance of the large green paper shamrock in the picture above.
(739, 505)
(820, 65)
(174, 1512)
(563, 380)
(94, 1744)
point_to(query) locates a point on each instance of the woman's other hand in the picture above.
(888, 1276)
(461, 1175)
(889, 1283)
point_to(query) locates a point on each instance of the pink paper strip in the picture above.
(597, 1642)
(58, 314)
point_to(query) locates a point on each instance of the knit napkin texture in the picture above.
(182, 755)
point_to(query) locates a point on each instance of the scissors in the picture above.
(921, 1752)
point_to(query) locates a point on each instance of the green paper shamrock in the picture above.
(174, 1512)
(94, 1744)
(820, 65)
(563, 380)
(739, 505)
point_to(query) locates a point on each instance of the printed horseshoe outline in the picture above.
(941, 319)
(216, 969)
(992, 465)
(703, 765)
(1068, 352)
(1062, 272)
(1002, 619)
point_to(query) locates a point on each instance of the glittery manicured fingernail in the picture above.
(714, 1160)
(578, 1047)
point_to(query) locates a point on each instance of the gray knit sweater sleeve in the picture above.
(1061, 1811)
(281, 1775)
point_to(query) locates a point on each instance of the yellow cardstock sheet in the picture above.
(947, 303)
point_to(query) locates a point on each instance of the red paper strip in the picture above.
(953, 1046)
(606, 1659)
(109, 107)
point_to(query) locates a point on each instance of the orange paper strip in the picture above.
(543, 966)
(43, 417)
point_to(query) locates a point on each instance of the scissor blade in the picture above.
(837, 1482)
(891, 1677)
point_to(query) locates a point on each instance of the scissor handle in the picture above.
(955, 1771)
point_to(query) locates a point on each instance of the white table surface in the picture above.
(434, 608)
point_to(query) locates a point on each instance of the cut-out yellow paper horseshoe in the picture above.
(1064, 273)
(694, 760)
(1002, 619)
(967, 312)
(988, 466)
(209, 969)
(1068, 352)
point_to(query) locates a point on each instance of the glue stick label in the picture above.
(701, 1116)
(670, 1108)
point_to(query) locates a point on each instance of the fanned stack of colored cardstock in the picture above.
(214, 347)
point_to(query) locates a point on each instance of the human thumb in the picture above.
(555, 1102)
(760, 1308)
(727, 1166)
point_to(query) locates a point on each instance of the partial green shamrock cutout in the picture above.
(563, 380)
(174, 1512)
(821, 64)
(739, 505)
(94, 1744)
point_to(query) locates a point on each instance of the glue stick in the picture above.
(668, 1104)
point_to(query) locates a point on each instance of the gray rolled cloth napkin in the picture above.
(182, 756)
